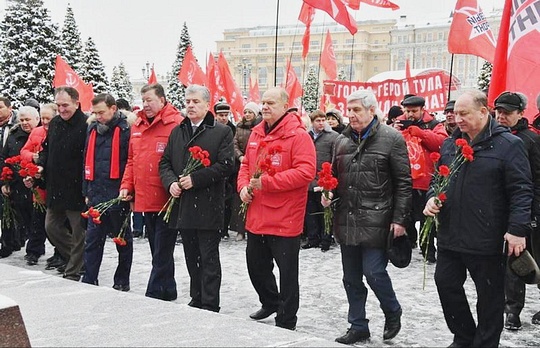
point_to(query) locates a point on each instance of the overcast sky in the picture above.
(138, 31)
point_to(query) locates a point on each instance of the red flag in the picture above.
(65, 76)
(232, 91)
(190, 72)
(215, 82)
(328, 58)
(254, 94)
(355, 4)
(152, 79)
(470, 32)
(307, 13)
(517, 58)
(408, 76)
(292, 85)
(337, 10)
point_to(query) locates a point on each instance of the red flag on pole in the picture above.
(65, 76)
(152, 79)
(337, 10)
(215, 83)
(254, 94)
(292, 85)
(470, 32)
(190, 72)
(355, 4)
(517, 58)
(232, 91)
(307, 13)
(328, 58)
(408, 76)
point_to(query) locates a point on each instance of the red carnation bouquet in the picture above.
(99, 209)
(28, 169)
(8, 214)
(264, 165)
(327, 182)
(197, 158)
(439, 184)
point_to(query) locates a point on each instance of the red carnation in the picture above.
(205, 162)
(119, 241)
(435, 156)
(85, 215)
(461, 142)
(444, 170)
(442, 197)
(97, 221)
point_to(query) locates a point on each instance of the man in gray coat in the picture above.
(374, 191)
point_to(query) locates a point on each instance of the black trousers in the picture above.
(201, 251)
(487, 272)
(314, 221)
(418, 204)
(261, 252)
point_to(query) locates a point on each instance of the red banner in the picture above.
(65, 76)
(433, 87)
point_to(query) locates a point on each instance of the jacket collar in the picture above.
(165, 115)
(491, 129)
(288, 126)
(209, 121)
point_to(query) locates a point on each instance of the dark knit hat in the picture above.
(509, 101)
(450, 106)
(335, 114)
(222, 107)
(414, 101)
(32, 102)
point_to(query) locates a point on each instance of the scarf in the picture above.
(90, 155)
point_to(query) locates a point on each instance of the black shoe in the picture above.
(536, 318)
(61, 268)
(352, 336)
(5, 252)
(75, 278)
(121, 287)
(56, 263)
(51, 259)
(263, 313)
(288, 327)
(325, 247)
(195, 304)
(392, 325)
(310, 245)
(137, 234)
(512, 322)
(32, 259)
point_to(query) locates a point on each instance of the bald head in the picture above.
(471, 112)
(275, 103)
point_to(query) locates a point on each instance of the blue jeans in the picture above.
(359, 262)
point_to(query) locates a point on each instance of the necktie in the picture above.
(194, 129)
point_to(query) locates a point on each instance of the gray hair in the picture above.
(367, 98)
(524, 100)
(29, 110)
(199, 89)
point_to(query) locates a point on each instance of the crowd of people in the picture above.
(260, 178)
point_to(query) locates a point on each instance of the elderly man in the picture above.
(141, 178)
(488, 202)
(431, 134)
(374, 190)
(277, 201)
(509, 110)
(62, 161)
(198, 214)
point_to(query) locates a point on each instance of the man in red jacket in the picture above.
(281, 148)
(141, 180)
(420, 124)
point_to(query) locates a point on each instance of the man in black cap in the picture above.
(509, 108)
(431, 134)
(222, 112)
(450, 123)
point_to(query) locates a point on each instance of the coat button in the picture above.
(354, 160)
(350, 213)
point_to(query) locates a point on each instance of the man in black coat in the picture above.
(488, 201)
(198, 212)
(61, 162)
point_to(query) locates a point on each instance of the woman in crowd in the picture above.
(334, 118)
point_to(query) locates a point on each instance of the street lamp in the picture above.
(245, 70)
(146, 71)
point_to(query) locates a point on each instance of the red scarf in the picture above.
(115, 155)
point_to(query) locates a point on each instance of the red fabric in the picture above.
(355, 4)
(517, 59)
(307, 13)
(466, 37)
(254, 94)
(152, 79)
(292, 85)
(90, 156)
(146, 145)
(328, 58)
(115, 154)
(191, 73)
(416, 154)
(279, 208)
(215, 83)
(65, 76)
(33, 144)
(232, 91)
(337, 10)
(431, 141)
(408, 76)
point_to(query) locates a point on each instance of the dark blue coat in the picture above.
(489, 196)
(103, 188)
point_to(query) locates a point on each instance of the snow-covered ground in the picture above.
(323, 304)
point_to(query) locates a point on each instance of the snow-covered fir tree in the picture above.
(92, 68)
(28, 48)
(70, 42)
(121, 86)
(484, 78)
(175, 90)
(342, 75)
(310, 100)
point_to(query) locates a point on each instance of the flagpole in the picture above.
(450, 82)
(275, 45)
